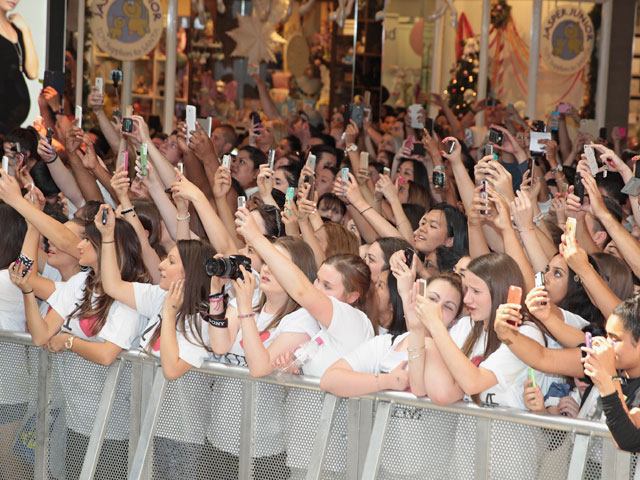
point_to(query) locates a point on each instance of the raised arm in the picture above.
(63, 178)
(290, 277)
(173, 367)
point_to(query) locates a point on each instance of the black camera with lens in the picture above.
(227, 267)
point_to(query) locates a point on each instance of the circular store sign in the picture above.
(127, 29)
(566, 39)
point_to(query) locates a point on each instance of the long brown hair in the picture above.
(151, 220)
(356, 277)
(193, 255)
(302, 256)
(132, 269)
(499, 272)
(340, 240)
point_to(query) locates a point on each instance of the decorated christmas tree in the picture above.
(462, 89)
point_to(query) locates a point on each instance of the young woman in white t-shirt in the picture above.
(94, 326)
(176, 332)
(256, 339)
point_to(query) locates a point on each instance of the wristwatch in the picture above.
(59, 112)
(69, 343)
(557, 169)
(351, 148)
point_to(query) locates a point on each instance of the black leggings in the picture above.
(112, 462)
(215, 463)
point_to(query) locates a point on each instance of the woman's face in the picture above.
(170, 150)
(266, 138)
(268, 282)
(256, 260)
(330, 283)
(330, 211)
(385, 309)
(477, 299)
(88, 254)
(283, 149)
(280, 181)
(8, 5)
(171, 269)
(242, 169)
(405, 170)
(556, 279)
(431, 232)
(387, 144)
(324, 181)
(375, 259)
(447, 296)
(403, 192)
(59, 259)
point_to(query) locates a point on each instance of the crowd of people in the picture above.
(451, 261)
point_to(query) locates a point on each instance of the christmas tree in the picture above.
(461, 91)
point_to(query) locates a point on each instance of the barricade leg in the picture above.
(148, 426)
(578, 457)
(372, 462)
(41, 470)
(247, 429)
(483, 448)
(102, 420)
(321, 441)
(616, 463)
(359, 423)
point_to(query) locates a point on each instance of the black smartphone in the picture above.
(408, 256)
(49, 135)
(255, 119)
(428, 125)
(496, 136)
(355, 112)
(450, 145)
(127, 125)
(105, 213)
(439, 178)
(539, 126)
(578, 188)
(418, 149)
(311, 180)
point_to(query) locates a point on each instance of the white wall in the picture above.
(35, 14)
(550, 85)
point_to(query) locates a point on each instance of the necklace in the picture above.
(18, 49)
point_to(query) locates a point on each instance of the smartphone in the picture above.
(532, 165)
(418, 149)
(588, 339)
(291, 192)
(355, 112)
(364, 160)
(105, 214)
(127, 125)
(206, 124)
(49, 135)
(242, 201)
(116, 77)
(344, 174)
(428, 125)
(5, 164)
(539, 126)
(226, 161)
(539, 279)
(190, 119)
(272, 158)
(422, 287)
(311, 161)
(311, 180)
(514, 296)
(100, 84)
(439, 178)
(632, 187)
(450, 146)
(488, 150)
(578, 187)
(622, 132)
(484, 194)
(555, 120)
(496, 136)
(413, 115)
(532, 376)
(386, 171)
(143, 159)
(591, 159)
(124, 160)
(570, 227)
(79, 116)
(408, 256)
(255, 120)
(564, 108)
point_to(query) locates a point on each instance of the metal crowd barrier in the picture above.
(387, 435)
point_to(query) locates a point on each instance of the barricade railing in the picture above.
(271, 427)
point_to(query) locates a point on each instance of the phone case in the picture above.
(591, 159)
(422, 289)
(588, 339)
(272, 158)
(570, 228)
(311, 161)
(124, 156)
(190, 119)
(99, 84)
(242, 201)
(514, 295)
(532, 376)
(226, 161)
(539, 279)
(408, 257)
(79, 116)
(5, 164)
(386, 171)
(364, 160)
(344, 174)
(181, 168)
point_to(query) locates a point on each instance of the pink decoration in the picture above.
(415, 37)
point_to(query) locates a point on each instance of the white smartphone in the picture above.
(272, 158)
(422, 287)
(191, 120)
(242, 201)
(311, 161)
(386, 171)
(100, 84)
(181, 168)
(5, 164)
(79, 116)
(364, 160)
(226, 161)
(591, 159)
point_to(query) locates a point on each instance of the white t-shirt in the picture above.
(349, 328)
(120, 328)
(508, 369)
(377, 355)
(224, 429)
(183, 400)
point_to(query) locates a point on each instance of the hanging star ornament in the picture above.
(255, 39)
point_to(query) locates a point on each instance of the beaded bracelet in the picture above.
(248, 315)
